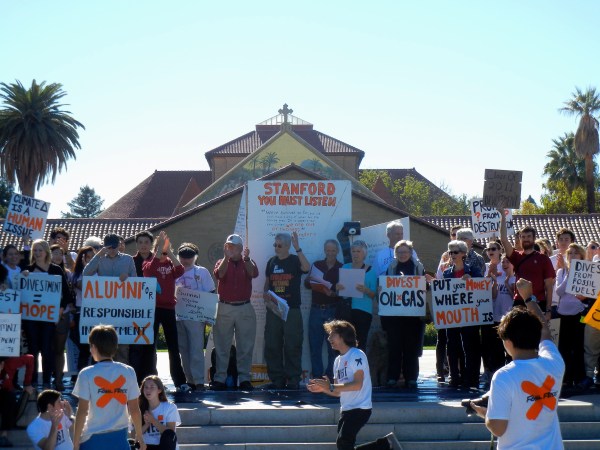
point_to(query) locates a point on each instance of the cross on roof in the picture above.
(285, 111)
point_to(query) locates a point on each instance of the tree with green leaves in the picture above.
(6, 192)
(565, 165)
(585, 104)
(556, 199)
(37, 137)
(87, 204)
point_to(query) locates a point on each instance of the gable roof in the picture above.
(159, 195)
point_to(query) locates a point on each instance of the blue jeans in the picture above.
(316, 336)
(114, 440)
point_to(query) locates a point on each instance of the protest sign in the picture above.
(277, 306)
(10, 334)
(40, 296)
(592, 318)
(349, 278)
(127, 305)
(459, 303)
(486, 220)
(375, 236)
(584, 278)
(402, 296)
(26, 216)
(196, 305)
(10, 302)
(502, 188)
(554, 325)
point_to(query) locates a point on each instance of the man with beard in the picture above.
(531, 265)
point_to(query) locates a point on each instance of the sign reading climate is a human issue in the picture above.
(127, 305)
(460, 303)
(26, 216)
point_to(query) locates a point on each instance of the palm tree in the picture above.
(36, 136)
(585, 105)
(564, 164)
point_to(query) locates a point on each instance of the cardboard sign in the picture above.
(10, 302)
(26, 216)
(10, 334)
(584, 278)
(486, 220)
(502, 187)
(461, 303)
(127, 305)
(195, 305)
(40, 296)
(402, 296)
(592, 318)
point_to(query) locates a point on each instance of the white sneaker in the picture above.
(394, 444)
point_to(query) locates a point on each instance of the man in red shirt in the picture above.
(531, 265)
(235, 313)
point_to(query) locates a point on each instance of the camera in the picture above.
(481, 401)
(351, 228)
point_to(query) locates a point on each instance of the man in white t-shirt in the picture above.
(523, 398)
(52, 424)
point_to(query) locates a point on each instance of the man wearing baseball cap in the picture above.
(235, 314)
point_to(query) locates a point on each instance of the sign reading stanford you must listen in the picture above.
(127, 305)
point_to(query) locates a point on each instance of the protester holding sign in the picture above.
(11, 259)
(463, 339)
(322, 279)
(84, 256)
(404, 332)
(190, 333)
(570, 310)
(40, 335)
(362, 307)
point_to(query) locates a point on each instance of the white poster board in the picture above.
(349, 279)
(26, 216)
(402, 295)
(196, 305)
(10, 301)
(460, 303)
(127, 305)
(486, 220)
(376, 239)
(584, 278)
(10, 334)
(40, 296)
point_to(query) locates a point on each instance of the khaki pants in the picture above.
(190, 336)
(240, 321)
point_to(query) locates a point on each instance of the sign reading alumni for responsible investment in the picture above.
(127, 305)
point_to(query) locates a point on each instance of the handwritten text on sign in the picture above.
(40, 296)
(402, 296)
(459, 303)
(486, 220)
(592, 318)
(584, 278)
(26, 216)
(10, 334)
(195, 305)
(10, 302)
(502, 188)
(298, 193)
(127, 305)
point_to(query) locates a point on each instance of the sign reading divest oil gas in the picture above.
(461, 303)
(26, 216)
(40, 296)
(10, 334)
(402, 296)
(127, 305)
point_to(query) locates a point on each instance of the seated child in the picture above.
(106, 391)
(160, 417)
(52, 423)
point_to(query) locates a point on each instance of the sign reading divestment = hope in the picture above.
(584, 278)
(402, 295)
(127, 305)
(460, 303)
(26, 216)
(40, 296)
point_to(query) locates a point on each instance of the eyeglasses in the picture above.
(278, 245)
(491, 249)
(453, 252)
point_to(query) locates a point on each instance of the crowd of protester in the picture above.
(459, 351)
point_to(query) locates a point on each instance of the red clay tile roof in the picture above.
(585, 226)
(81, 229)
(158, 195)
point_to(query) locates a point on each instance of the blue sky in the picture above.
(450, 88)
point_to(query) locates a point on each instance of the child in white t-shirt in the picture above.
(107, 391)
(53, 422)
(160, 417)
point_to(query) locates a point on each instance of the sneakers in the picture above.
(217, 386)
(246, 386)
(394, 444)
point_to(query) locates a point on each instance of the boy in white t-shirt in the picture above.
(523, 398)
(106, 392)
(52, 424)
